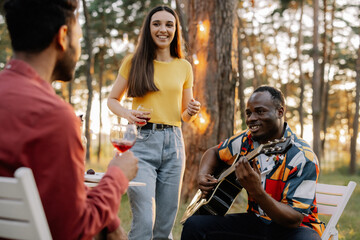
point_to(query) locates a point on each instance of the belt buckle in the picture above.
(159, 127)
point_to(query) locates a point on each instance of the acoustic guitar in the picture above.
(228, 188)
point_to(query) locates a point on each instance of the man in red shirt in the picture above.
(40, 131)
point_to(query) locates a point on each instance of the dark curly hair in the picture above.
(33, 24)
(276, 95)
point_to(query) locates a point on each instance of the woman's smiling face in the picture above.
(162, 28)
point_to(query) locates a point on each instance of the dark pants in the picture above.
(242, 226)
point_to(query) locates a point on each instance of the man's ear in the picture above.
(280, 111)
(62, 37)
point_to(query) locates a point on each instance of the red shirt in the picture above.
(40, 131)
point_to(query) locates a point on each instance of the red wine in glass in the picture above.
(122, 146)
(146, 115)
(123, 137)
(146, 118)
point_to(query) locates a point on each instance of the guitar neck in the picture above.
(228, 188)
(250, 156)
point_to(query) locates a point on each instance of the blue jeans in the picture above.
(161, 166)
(241, 226)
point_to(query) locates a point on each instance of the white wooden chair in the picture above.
(331, 200)
(21, 212)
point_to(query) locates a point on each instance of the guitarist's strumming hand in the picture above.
(248, 176)
(206, 184)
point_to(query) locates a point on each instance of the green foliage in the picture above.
(349, 222)
(134, 13)
(347, 225)
(5, 44)
(109, 21)
(272, 38)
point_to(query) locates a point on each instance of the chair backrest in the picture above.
(331, 200)
(21, 212)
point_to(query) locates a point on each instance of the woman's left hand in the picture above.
(193, 107)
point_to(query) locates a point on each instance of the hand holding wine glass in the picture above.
(127, 162)
(145, 115)
(123, 137)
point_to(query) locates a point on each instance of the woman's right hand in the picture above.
(133, 117)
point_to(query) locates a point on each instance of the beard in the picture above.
(261, 138)
(64, 69)
(265, 137)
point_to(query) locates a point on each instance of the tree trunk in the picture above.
(70, 85)
(285, 86)
(277, 67)
(316, 103)
(183, 22)
(323, 83)
(214, 86)
(327, 84)
(324, 48)
(102, 52)
(241, 87)
(101, 71)
(257, 81)
(89, 71)
(352, 169)
(301, 75)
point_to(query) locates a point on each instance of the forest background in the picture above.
(310, 49)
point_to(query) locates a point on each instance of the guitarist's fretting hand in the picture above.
(206, 184)
(249, 177)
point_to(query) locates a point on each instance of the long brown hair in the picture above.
(141, 77)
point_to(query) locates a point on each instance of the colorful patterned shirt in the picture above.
(290, 178)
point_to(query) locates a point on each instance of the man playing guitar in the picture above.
(281, 188)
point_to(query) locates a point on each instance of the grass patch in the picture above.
(350, 219)
(347, 225)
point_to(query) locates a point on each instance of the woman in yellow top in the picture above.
(156, 76)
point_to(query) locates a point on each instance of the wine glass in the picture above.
(123, 136)
(146, 115)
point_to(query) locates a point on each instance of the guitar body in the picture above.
(222, 198)
(228, 188)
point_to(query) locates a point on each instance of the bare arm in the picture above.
(113, 102)
(190, 107)
(209, 165)
(279, 212)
